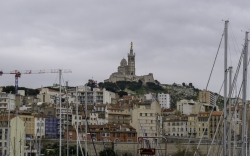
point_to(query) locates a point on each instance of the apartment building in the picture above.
(94, 95)
(39, 129)
(146, 118)
(17, 136)
(106, 132)
(29, 122)
(118, 116)
(192, 125)
(51, 127)
(48, 95)
(203, 126)
(81, 119)
(176, 127)
(64, 112)
(206, 96)
(164, 100)
(216, 120)
(188, 107)
(7, 101)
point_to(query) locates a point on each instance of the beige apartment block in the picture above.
(29, 122)
(118, 116)
(206, 96)
(176, 127)
(203, 126)
(17, 136)
(192, 125)
(216, 120)
(147, 118)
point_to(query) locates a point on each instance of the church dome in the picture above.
(123, 62)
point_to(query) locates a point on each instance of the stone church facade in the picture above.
(126, 71)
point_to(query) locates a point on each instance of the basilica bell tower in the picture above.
(131, 61)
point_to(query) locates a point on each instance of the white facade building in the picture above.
(7, 101)
(188, 107)
(97, 96)
(48, 95)
(164, 100)
(150, 96)
(39, 129)
(81, 120)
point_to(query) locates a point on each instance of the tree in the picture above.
(177, 112)
(110, 152)
(190, 85)
(121, 93)
(157, 82)
(127, 154)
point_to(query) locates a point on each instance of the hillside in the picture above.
(176, 92)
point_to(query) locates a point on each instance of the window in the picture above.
(113, 134)
(140, 114)
(118, 134)
(129, 134)
(103, 134)
(151, 114)
(146, 114)
(133, 134)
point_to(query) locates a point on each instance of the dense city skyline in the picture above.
(175, 41)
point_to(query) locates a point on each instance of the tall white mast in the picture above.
(60, 115)
(244, 90)
(234, 152)
(230, 114)
(8, 133)
(67, 103)
(86, 132)
(77, 121)
(225, 93)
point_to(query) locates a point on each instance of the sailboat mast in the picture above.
(8, 133)
(230, 113)
(245, 62)
(60, 115)
(225, 92)
(67, 103)
(77, 121)
(86, 111)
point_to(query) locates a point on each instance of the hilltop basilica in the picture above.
(126, 71)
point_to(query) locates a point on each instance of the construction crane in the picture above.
(19, 73)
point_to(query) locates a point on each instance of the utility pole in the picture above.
(60, 116)
(225, 93)
(230, 113)
(86, 132)
(244, 95)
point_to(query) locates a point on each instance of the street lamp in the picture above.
(72, 152)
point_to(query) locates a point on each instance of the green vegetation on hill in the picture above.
(136, 87)
(176, 91)
(179, 92)
(28, 91)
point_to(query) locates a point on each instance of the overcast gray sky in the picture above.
(175, 40)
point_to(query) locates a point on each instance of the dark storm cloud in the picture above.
(175, 40)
